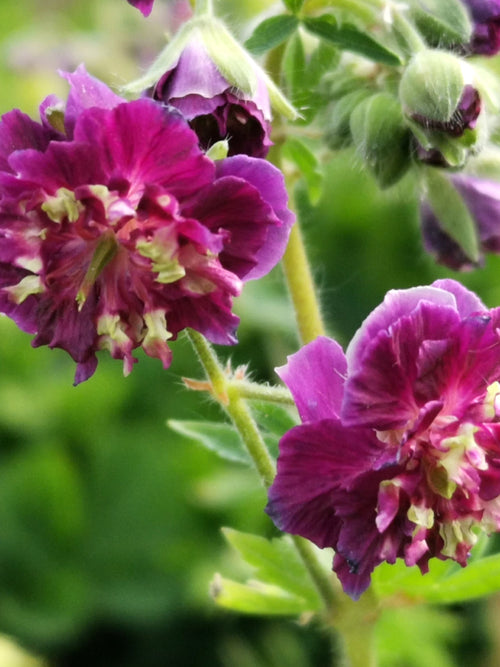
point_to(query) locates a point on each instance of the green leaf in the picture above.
(294, 67)
(297, 152)
(349, 38)
(218, 437)
(417, 636)
(444, 23)
(276, 563)
(445, 583)
(275, 419)
(271, 32)
(480, 578)
(293, 5)
(452, 213)
(303, 76)
(255, 598)
(398, 579)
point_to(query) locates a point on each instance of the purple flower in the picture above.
(144, 6)
(398, 455)
(116, 231)
(482, 198)
(485, 16)
(215, 108)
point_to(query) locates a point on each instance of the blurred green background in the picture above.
(109, 521)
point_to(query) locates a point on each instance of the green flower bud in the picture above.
(381, 137)
(337, 128)
(432, 85)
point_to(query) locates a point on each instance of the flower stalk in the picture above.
(228, 395)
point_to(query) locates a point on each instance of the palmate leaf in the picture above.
(282, 585)
(445, 583)
(255, 598)
(350, 38)
(276, 563)
(218, 437)
(271, 32)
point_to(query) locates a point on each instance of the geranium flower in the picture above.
(398, 455)
(482, 198)
(116, 231)
(214, 107)
(144, 6)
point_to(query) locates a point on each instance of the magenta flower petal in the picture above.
(85, 92)
(270, 184)
(144, 6)
(18, 131)
(315, 375)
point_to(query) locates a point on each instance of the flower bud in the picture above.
(217, 86)
(443, 107)
(431, 88)
(381, 137)
(480, 198)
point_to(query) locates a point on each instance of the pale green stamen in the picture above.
(103, 254)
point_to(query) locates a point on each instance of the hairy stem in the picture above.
(228, 396)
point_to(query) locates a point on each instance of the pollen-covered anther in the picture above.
(63, 205)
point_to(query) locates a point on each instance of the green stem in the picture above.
(228, 396)
(302, 290)
(356, 625)
(236, 408)
(204, 7)
(259, 392)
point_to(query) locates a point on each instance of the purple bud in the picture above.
(215, 109)
(485, 15)
(464, 117)
(482, 198)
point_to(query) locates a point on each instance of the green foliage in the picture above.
(271, 32)
(218, 437)
(283, 585)
(303, 74)
(308, 165)
(350, 38)
(416, 637)
(444, 23)
(294, 5)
